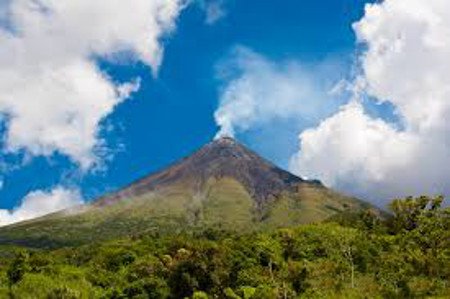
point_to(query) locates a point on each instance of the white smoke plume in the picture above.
(259, 92)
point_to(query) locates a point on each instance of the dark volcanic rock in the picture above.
(223, 157)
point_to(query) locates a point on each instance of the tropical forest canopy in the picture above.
(352, 255)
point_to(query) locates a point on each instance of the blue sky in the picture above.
(172, 115)
(307, 47)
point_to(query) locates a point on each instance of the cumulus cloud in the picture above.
(39, 203)
(407, 64)
(258, 92)
(52, 93)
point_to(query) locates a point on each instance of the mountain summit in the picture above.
(222, 158)
(222, 185)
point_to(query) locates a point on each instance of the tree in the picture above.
(407, 212)
(18, 268)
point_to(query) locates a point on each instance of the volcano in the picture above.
(222, 185)
(222, 158)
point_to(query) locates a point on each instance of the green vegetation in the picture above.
(352, 255)
(220, 204)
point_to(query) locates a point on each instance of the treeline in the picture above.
(353, 255)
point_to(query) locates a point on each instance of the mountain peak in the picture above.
(223, 184)
(225, 140)
(222, 158)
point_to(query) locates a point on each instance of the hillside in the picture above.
(223, 185)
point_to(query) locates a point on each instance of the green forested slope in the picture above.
(222, 203)
(354, 255)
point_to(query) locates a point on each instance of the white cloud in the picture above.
(39, 203)
(51, 90)
(214, 11)
(407, 64)
(259, 92)
(356, 153)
